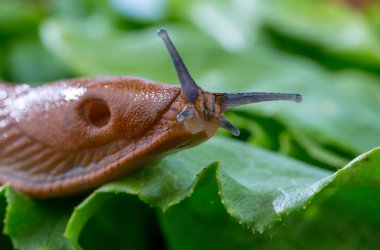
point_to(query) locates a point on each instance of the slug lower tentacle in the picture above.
(71, 136)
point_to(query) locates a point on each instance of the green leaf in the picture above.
(249, 180)
(5, 242)
(256, 130)
(327, 111)
(339, 218)
(143, 48)
(122, 222)
(33, 224)
(331, 29)
(336, 219)
(303, 147)
(17, 17)
(256, 187)
(334, 33)
(1, 64)
(30, 62)
(204, 217)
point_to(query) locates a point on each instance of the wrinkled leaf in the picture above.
(33, 224)
(204, 217)
(256, 187)
(326, 224)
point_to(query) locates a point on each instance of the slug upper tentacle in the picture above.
(71, 136)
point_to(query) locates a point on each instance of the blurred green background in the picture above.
(327, 50)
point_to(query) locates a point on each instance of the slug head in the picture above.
(203, 110)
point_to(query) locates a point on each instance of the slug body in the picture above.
(70, 137)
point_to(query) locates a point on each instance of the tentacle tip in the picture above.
(298, 98)
(186, 113)
(162, 32)
(236, 132)
(180, 117)
(226, 124)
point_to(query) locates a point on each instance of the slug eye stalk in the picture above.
(191, 92)
(188, 85)
(237, 99)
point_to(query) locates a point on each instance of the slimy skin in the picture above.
(50, 147)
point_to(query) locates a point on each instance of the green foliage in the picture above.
(253, 186)
(289, 183)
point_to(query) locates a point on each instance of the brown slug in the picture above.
(71, 136)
